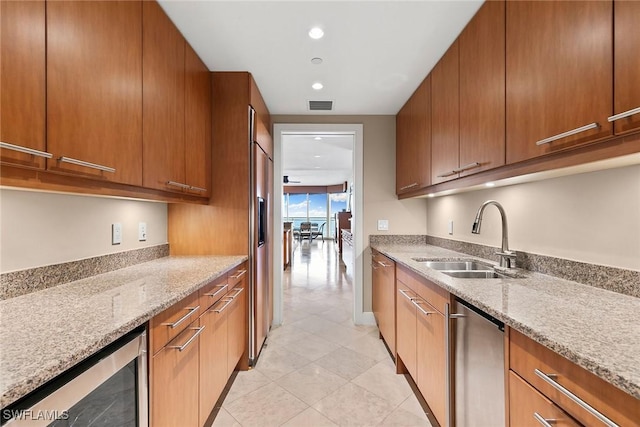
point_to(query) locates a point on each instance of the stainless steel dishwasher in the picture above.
(477, 342)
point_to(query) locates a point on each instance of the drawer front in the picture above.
(532, 361)
(175, 319)
(528, 408)
(430, 292)
(236, 275)
(211, 293)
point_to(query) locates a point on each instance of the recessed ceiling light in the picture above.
(316, 61)
(317, 138)
(317, 156)
(316, 33)
(490, 184)
(317, 86)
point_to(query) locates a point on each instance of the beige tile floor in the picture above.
(318, 368)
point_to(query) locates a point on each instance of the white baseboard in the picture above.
(365, 318)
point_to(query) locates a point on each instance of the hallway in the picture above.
(318, 368)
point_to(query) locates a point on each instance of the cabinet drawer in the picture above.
(175, 319)
(236, 275)
(527, 407)
(430, 292)
(532, 361)
(211, 293)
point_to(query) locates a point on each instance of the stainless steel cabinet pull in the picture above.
(417, 304)
(466, 167)
(26, 150)
(183, 346)
(200, 189)
(239, 275)
(222, 288)
(545, 422)
(584, 405)
(414, 184)
(183, 318)
(221, 309)
(405, 295)
(568, 133)
(86, 164)
(238, 292)
(374, 266)
(383, 264)
(446, 174)
(179, 185)
(623, 114)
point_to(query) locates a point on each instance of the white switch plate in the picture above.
(142, 231)
(451, 226)
(116, 233)
(383, 224)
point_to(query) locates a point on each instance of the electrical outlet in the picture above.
(383, 224)
(142, 231)
(116, 233)
(451, 226)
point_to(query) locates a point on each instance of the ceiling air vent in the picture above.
(320, 105)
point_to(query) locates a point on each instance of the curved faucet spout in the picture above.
(507, 258)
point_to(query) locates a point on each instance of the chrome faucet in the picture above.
(507, 257)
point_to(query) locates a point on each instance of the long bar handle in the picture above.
(183, 346)
(239, 275)
(413, 184)
(179, 185)
(404, 293)
(86, 164)
(183, 318)
(584, 405)
(221, 309)
(239, 291)
(26, 150)
(467, 167)
(218, 291)
(446, 174)
(383, 264)
(545, 422)
(200, 189)
(590, 126)
(417, 303)
(623, 115)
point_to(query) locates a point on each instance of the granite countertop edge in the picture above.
(403, 254)
(14, 391)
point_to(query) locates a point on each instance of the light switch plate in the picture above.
(116, 233)
(383, 224)
(142, 231)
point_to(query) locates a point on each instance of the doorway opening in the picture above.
(339, 135)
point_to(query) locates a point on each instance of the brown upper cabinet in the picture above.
(445, 117)
(482, 92)
(413, 141)
(559, 66)
(163, 98)
(23, 82)
(626, 95)
(94, 89)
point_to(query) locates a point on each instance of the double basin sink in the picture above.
(463, 268)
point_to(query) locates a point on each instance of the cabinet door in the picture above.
(174, 381)
(163, 98)
(94, 87)
(559, 73)
(482, 99)
(237, 315)
(197, 124)
(213, 358)
(22, 79)
(525, 404)
(430, 350)
(413, 141)
(406, 328)
(386, 292)
(445, 117)
(626, 95)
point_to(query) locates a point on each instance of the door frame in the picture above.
(360, 317)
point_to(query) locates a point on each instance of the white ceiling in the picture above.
(327, 161)
(375, 53)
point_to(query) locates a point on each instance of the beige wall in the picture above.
(46, 228)
(379, 198)
(592, 217)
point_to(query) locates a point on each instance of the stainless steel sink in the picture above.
(473, 274)
(458, 265)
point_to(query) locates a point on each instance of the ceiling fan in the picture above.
(286, 180)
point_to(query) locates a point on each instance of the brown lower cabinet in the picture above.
(188, 373)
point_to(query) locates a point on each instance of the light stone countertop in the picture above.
(44, 333)
(595, 328)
